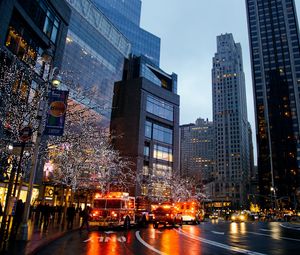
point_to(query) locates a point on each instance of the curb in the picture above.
(43, 243)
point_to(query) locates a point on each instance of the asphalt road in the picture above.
(214, 237)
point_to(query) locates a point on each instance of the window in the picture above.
(158, 132)
(146, 150)
(162, 153)
(161, 170)
(148, 129)
(162, 134)
(159, 108)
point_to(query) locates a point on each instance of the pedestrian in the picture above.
(46, 215)
(70, 216)
(18, 216)
(85, 219)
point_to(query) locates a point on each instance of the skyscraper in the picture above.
(275, 55)
(231, 125)
(146, 116)
(125, 15)
(197, 150)
(93, 58)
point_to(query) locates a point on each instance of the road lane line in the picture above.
(218, 233)
(220, 245)
(285, 238)
(298, 228)
(267, 230)
(137, 234)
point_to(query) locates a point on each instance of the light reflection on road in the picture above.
(93, 246)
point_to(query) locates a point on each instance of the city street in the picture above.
(214, 237)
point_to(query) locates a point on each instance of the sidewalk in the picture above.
(39, 236)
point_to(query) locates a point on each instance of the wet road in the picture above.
(217, 237)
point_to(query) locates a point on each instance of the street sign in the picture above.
(25, 134)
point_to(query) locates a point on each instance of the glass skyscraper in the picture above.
(232, 170)
(275, 55)
(93, 58)
(125, 15)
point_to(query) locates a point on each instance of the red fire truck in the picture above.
(113, 209)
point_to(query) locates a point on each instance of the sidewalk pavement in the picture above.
(39, 237)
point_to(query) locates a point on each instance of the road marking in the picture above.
(285, 238)
(137, 234)
(298, 228)
(218, 233)
(220, 245)
(88, 240)
(263, 229)
(109, 232)
(105, 239)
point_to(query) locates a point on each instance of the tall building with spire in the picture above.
(125, 15)
(275, 56)
(232, 170)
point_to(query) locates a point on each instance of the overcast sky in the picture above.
(188, 31)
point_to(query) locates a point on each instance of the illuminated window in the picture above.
(163, 153)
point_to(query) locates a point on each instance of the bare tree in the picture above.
(83, 157)
(170, 188)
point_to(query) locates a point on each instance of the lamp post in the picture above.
(34, 166)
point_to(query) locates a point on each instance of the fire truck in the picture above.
(190, 211)
(113, 210)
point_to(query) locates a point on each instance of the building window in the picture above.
(43, 16)
(162, 134)
(144, 190)
(161, 170)
(146, 150)
(158, 132)
(159, 108)
(148, 129)
(18, 46)
(163, 153)
(146, 169)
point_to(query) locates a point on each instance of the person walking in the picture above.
(85, 219)
(70, 216)
(17, 217)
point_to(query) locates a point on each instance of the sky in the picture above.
(188, 31)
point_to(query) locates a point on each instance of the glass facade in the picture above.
(158, 132)
(125, 15)
(162, 153)
(159, 108)
(130, 10)
(93, 61)
(160, 170)
(43, 16)
(21, 40)
(275, 54)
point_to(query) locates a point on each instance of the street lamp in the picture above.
(34, 166)
(273, 190)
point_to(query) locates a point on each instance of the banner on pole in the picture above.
(57, 107)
